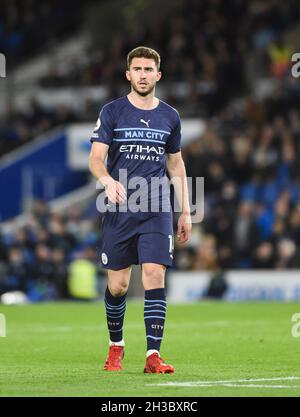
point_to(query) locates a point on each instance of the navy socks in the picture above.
(115, 312)
(155, 307)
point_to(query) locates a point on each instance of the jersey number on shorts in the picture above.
(171, 243)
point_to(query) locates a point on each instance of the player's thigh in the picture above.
(118, 280)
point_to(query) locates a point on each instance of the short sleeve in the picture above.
(104, 131)
(173, 144)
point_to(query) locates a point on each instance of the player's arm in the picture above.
(113, 189)
(177, 173)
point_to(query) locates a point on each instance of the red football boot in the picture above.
(114, 359)
(155, 365)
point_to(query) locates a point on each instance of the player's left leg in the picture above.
(155, 306)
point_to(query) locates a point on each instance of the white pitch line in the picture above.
(247, 386)
(258, 386)
(237, 381)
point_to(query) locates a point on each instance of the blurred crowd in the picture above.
(204, 44)
(48, 258)
(249, 158)
(27, 27)
(20, 127)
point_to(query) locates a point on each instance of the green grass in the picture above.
(59, 350)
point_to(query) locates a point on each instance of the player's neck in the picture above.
(145, 103)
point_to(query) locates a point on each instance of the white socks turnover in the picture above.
(149, 352)
(122, 343)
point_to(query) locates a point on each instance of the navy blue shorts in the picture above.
(136, 238)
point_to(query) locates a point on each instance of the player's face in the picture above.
(143, 75)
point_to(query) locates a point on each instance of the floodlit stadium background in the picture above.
(226, 68)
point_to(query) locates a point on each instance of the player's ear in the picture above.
(128, 75)
(159, 75)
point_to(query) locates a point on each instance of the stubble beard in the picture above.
(143, 93)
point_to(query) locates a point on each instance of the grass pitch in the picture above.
(218, 349)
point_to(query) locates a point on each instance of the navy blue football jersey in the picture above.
(138, 139)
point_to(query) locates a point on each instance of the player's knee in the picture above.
(118, 289)
(153, 278)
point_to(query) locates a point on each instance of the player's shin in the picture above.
(115, 312)
(154, 314)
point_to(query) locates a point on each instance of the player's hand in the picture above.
(184, 228)
(115, 191)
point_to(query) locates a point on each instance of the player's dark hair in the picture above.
(143, 52)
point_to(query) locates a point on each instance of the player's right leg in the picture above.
(118, 253)
(115, 305)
